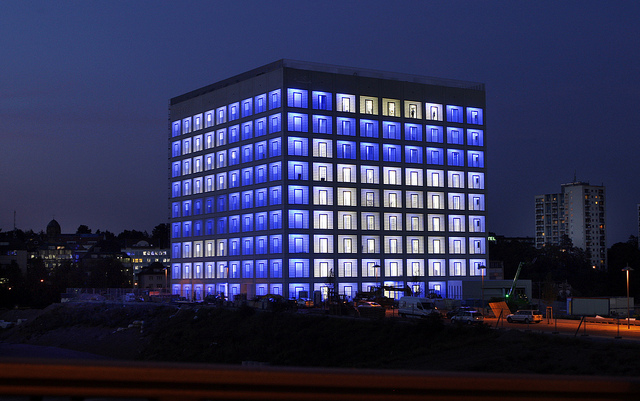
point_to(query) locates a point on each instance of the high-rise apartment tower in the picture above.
(577, 212)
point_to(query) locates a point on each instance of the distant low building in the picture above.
(154, 277)
(142, 255)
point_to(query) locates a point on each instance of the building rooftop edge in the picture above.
(329, 68)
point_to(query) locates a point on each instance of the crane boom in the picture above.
(515, 279)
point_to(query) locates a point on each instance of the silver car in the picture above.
(468, 317)
(525, 316)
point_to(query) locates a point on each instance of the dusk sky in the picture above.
(85, 86)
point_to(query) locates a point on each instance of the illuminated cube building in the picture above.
(296, 177)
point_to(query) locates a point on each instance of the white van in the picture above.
(416, 307)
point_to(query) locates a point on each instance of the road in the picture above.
(573, 328)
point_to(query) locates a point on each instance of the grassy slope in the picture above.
(213, 335)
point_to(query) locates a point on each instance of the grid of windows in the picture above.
(316, 174)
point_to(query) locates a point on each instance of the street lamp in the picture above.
(377, 268)
(483, 269)
(628, 269)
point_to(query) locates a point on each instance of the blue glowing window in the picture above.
(455, 136)
(221, 136)
(247, 153)
(247, 176)
(175, 149)
(434, 133)
(275, 195)
(412, 132)
(247, 199)
(297, 98)
(234, 111)
(274, 99)
(234, 201)
(222, 225)
(186, 208)
(247, 107)
(222, 203)
(413, 154)
(234, 156)
(455, 157)
(391, 130)
(298, 122)
(208, 227)
(175, 169)
(298, 170)
(247, 265)
(221, 115)
(322, 125)
(247, 222)
(261, 221)
(234, 179)
(298, 243)
(234, 224)
(346, 126)
(186, 125)
(261, 174)
(261, 103)
(454, 114)
(298, 195)
(261, 126)
(261, 270)
(274, 147)
(197, 228)
(475, 159)
(474, 116)
(261, 150)
(391, 153)
(274, 123)
(368, 151)
(475, 137)
(299, 219)
(175, 232)
(175, 131)
(175, 253)
(234, 251)
(175, 209)
(186, 229)
(346, 150)
(276, 243)
(234, 134)
(176, 189)
(435, 156)
(261, 197)
(369, 128)
(247, 131)
(209, 118)
(298, 146)
(275, 219)
(209, 206)
(275, 267)
(197, 206)
(275, 171)
(321, 100)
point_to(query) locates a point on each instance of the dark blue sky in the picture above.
(85, 85)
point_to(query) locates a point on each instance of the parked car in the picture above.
(417, 307)
(468, 317)
(455, 311)
(525, 316)
(368, 304)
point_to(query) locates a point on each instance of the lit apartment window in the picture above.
(323, 221)
(371, 245)
(393, 200)
(346, 222)
(346, 244)
(368, 106)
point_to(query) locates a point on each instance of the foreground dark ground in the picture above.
(212, 335)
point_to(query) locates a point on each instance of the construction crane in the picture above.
(515, 279)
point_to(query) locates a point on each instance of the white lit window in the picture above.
(323, 196)
(370, 222)
(347, 245)
(346, 198)
(371, 245)
(393, 200)
(324, 245)
(346, 174)
(323, 221)
(346, 222)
